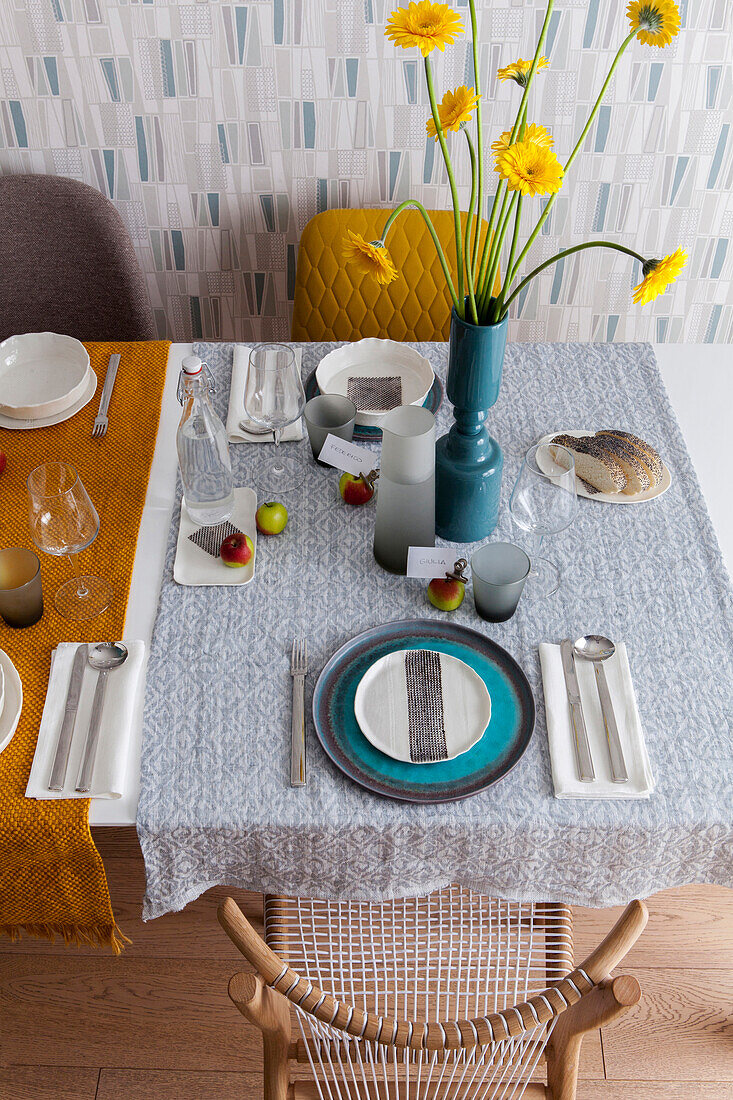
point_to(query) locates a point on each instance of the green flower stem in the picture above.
(469, 223)
(520, 119)
(498, 305)
(488, 239)
(480, 142)
(453, 188)
(532, 71)
(408, 204)
(561, 256)
(545, 213)
(507, 209)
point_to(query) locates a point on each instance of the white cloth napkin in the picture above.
(123, 686)
(640, 783)
(195, 566)
(236, 411)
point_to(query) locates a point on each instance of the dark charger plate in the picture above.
(503, 743)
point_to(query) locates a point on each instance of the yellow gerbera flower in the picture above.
(519, 69)
(369, 257)
(533, 132)
(455, 109)
(530, 168)
(424, 24)
(658, 274)
(658, 21)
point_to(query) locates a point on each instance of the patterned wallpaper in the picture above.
(219, 128)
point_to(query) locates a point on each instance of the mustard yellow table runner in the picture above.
(52, 880)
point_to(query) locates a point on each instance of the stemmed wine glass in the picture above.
(273, 399)
(544, 502)
(64, 522)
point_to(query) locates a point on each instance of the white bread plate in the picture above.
(11, 699)
(42, 374)
(373, 358)
(611, 498)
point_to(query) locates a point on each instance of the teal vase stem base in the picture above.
(468, 460)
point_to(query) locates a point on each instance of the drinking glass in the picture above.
(273, 399)
(499, 571)
(64, 522)
(328, 414)
(21, 594)
(544, 502)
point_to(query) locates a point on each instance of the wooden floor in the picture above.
(156, 1024)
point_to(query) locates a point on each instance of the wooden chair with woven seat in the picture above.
(453, 995)
(333, 302)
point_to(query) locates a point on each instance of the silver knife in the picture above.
(63, 747)
(586, 771)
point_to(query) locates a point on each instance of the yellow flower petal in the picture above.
(658, 274)
(369, 258)
(658, 21)
(519, 70)
(533, 132)
(454, 109)
(425, 25)
(530, 168)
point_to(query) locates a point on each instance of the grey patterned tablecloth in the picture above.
(216, 806)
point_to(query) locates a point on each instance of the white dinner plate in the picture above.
(380, 706)
(41, 374)
(612, 498)
(14, 424)
(194, 566)
(374, 358)
(11, 699)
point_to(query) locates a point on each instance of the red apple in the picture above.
(236, 550)
(3, 462)
(446, 593)
(356, 488)
(271, 517)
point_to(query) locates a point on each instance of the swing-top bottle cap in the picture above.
(192, 364)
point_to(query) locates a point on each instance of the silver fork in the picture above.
(101, 422)
(298, 670)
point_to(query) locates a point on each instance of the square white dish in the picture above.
(374, 358)
(194, 566)
(42, 374)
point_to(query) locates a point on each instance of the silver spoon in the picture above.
(102, 658)
(597, 649)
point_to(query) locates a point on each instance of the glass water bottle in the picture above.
(203, 451)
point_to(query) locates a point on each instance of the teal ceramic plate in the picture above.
(503, 743)
(365, 433)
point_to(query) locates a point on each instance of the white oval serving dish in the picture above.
(373, 358)
(41, 374)
(612, 498)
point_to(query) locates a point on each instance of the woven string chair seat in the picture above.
(453, 954)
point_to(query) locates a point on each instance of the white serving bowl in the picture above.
(41, 374)
(374, 358)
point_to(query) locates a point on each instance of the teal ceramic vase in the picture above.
(468, 460)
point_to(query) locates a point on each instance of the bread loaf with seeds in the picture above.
(594, 463)
(644, 451)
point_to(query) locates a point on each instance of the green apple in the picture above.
(271, 517)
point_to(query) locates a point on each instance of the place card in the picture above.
(430, 561)
(346, 456)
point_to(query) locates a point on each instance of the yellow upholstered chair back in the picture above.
(333, 301)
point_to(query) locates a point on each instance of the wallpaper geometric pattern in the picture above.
(218, 129)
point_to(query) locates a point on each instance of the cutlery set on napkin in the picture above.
(82, 749)
(583, 754)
